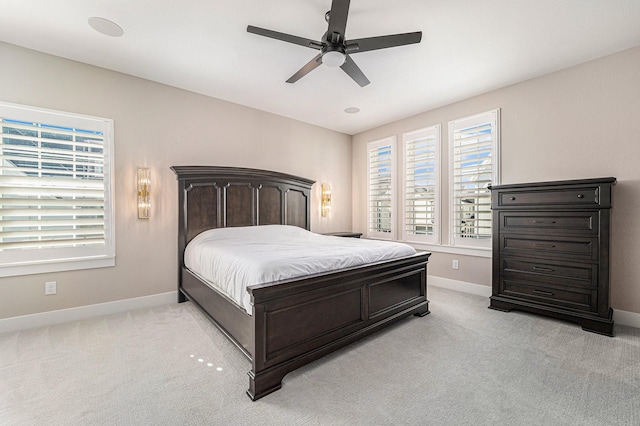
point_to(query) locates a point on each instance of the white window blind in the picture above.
(55, 190)
(474, 143)
(381, 202)
(421, 221)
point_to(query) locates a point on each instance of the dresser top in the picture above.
(609, 180)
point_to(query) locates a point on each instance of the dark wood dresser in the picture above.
(551, 250)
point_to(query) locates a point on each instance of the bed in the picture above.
(294, 321)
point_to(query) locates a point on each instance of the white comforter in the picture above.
(233, 258)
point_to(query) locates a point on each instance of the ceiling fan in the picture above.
(335, 49)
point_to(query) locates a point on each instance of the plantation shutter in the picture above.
(381, 201)
(475, 167)
(421, 185)
(53, 186)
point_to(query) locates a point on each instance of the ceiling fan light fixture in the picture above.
(333, 58)
(105, 26)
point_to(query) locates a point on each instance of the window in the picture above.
(421, 201)
(56, 210)
(406, 192)
(381, 193)
(474, 165)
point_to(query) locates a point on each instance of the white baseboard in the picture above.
(631, 319)
(82, 312)
(24, 322)
(462, 286)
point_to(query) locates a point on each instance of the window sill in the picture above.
(57, 266)
(465, 251)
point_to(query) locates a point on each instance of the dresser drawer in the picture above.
(582, 193)
(574, 274)
(550, 295)
(556, 223)
(549, 246)
(581, 196)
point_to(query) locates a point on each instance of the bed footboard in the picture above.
(299, 321)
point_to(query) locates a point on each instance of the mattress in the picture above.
(231, 259)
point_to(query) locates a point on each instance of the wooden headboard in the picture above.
(219, 197)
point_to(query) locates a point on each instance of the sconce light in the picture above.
(144, 193)
(326, 199)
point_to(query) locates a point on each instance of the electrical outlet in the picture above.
(454, 263)
(50, 288)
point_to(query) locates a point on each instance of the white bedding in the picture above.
(233, 258)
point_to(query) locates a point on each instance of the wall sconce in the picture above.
(144, 193)
(326, 199)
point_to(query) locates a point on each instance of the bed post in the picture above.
(182, 235)
(424, 311)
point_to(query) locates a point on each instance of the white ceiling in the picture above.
(468, 47)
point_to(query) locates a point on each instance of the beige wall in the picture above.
(576, 123)
(581, 122)
(158, 126)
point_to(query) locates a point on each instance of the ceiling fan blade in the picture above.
(285, 37)
(382, 42)
(310, 66)
(354, 72)
(338, 19)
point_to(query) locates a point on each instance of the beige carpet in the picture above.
(462, 365)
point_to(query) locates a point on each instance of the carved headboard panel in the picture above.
(218, 197)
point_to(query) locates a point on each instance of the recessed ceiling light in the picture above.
(105, 26)
(352, 110)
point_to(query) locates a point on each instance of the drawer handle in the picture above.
(512, 198)
(544, 222)
(580, 196)
(538, 268)
(544, 245)
(546, 293)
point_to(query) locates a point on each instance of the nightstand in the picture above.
(345, 234)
